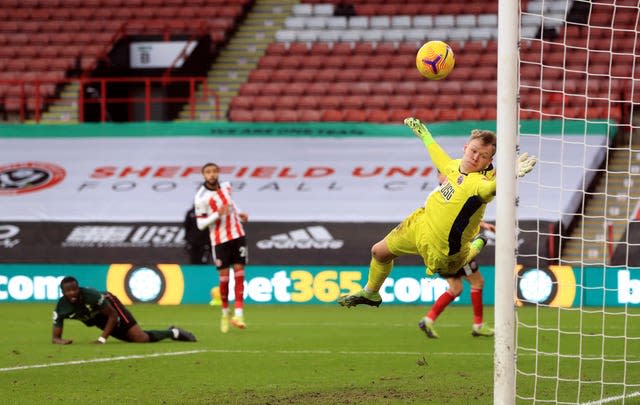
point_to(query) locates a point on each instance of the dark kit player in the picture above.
(104, 311)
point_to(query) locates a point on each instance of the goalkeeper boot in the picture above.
(238, 322)
(361, 297)
(427, 328)
(482, 330)
(224, 324)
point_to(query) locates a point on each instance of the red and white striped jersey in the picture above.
(207, 202)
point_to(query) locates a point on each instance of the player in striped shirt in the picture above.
(216, 210)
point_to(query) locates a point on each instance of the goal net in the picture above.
(577, 322)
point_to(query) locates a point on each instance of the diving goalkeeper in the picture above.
(443, 231)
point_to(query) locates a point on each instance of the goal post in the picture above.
(567, 288)
(505, 260)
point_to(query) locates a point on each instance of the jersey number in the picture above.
(447, 191)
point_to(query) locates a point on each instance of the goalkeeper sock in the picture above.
(441, 303)
(156, 335)
(378, 272)
(476, 302)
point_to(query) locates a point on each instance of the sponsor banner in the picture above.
(275, 178)
(281, 243)
(57, 242)
(170, 284)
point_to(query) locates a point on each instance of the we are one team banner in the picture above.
(339, 172)
(172, 284)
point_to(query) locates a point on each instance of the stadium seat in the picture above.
(332, 115)
(264, 116)
(471, 114)
(355, 115)
(355, 101)
(330, 102)
(286, 115)
(306, 115)
(447, 114)
(240, 115)
(377, 115)
(397, 115)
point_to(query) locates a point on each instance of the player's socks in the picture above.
(239, 288)
(440, 304)
(224, 291)
(476, 303)
(156, 335)
(378, 272)
(224, 323)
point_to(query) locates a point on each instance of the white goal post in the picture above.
(567, 289)
(505, 261)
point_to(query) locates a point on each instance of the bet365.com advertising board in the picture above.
(172, 284)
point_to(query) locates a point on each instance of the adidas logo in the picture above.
(311, 237)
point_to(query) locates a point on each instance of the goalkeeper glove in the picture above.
(419, 129)
(525, 164)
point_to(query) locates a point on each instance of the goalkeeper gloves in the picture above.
(525, 164)
(419, 129)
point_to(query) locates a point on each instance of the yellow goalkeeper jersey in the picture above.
(454, 209)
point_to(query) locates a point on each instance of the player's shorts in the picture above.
(412, 237)
(231, 252)
(125, 319)
(466, 270)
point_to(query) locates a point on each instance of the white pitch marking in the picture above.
(294, 352)
(612, 399)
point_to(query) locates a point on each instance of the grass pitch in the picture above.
(289, 354)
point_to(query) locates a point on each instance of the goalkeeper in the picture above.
(443, 231)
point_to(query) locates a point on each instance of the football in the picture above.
(435, 60)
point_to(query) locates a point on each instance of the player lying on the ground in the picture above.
(105, 311)
(443, 231)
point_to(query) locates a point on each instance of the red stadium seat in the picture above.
(377, 115)
(287, 115)
(307, 102)
(354, 102)
(397, 115)
(317, 89)
(329, 102)
(332, 115)
(285, 102)
(240, 115)
(471, 114)
(448, 114)
(355, 115)
(264, 116)
(309, 115)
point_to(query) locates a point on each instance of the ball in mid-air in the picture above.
(435, 60)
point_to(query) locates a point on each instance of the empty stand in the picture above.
(60, 35)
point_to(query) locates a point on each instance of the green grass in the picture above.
(293, 354)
